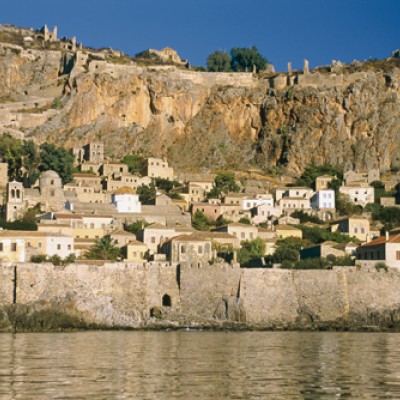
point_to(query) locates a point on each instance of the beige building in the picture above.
(153, 236)
(136, 251)
(12, 247)
(158, 168)
(358, 227)
(21, 245)
(285, 231)
(88, 180)
(243, 232)
(322, 182)
(110, 168)
(189, 248)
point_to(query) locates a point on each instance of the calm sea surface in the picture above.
(200, 365)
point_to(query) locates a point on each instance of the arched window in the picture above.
(13, 193)
(166, 300)
(18, 193)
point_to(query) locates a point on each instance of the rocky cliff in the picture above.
(344, 115)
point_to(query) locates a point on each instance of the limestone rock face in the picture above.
(349, 118)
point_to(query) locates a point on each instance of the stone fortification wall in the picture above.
(6, 285)
(279, 298)
(209, 291)
(129, 296)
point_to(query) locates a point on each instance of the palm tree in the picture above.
(105, 248)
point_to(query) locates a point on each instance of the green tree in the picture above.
(136, 226)
(313, 171)
(201, 222)
(250, 250)
(57, 159)
(166, 184)
(243, 59)
(304, 217)
(219, 61)
(11, 153)
(345, 206)
(105, 248)
(224, 183)
(135, 163)
(146, 193)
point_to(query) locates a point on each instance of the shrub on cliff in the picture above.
(312, 172)
(219, 61)
(243, 59)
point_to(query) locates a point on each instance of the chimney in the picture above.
(386, 235)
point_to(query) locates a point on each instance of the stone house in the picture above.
(158, 168)
(136, 251)
(356, 226)
(114, 182)
(196, 193)
(285, 231)
(322, 182)
(122, 238)
(113, 168)
(91, 153)
(12, 247)
(21, 245)
(243, 232)
(90, 167)
(290, 204)
(352, 177)
(86, 193)
(205, 183)
(294, 192)
(359, 193)
(88, 180)
(323, 250)
(264, 212)
(188, 249)
(153, 236)
(84, 226)
(384, 249)
(235, 199)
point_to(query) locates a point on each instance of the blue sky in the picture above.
(282, 30)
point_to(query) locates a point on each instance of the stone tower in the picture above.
(15, 201)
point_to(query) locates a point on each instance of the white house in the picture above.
(359, 193)
(250, 202)
(126, 200)
(323, 199)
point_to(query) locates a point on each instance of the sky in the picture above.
(282, 30)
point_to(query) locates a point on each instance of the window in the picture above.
(13, 246)
(200, 250)
(251, 235)
(153, 239)
(59, 247)
(355, 230)
(1, 246)
(397, 255)
(242, 235)
(183, 249)
(69, 247)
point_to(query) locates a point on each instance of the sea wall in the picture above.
(155, 295)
